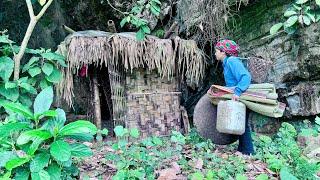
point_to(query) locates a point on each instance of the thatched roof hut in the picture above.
(122, 55)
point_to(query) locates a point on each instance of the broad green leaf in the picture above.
(308, 132)
(16, 162)
(9, 85)
(157, 141)
(7, 129)
(119, 131)
(140, 35)
(42, 2)
(41, 175)
(134, 133)
(262, 177)
(317, 120)
(23, 80)
(5, 156)
(54, 171)
(289, 13)
(65, 163)
(44, 84)
(22, 174)
(53, 56)
(318, 2)
(25, 100)
(6, 67)
(6, 176)
(291, 21)
(297, 7)
(55, 76)
(123, 21)
(78, 127)
(80, 150)
(10, 94)
(241, 177)
(33, 51)
(146, 29)
(5, 39)
(18, 108)
(136, 10)
(33, 135)
(39, 162)
(43, 101)
(275, 28)
(55, 123)
(28, 88)
(286, 175)
(80, 137)
(306, 20)
(34, 71)
(157, 1)
(197, 176)
(301, 1)
(60, 150)
(32, 81)
(47, 68)
(34, 146)
(210, 174)
(30, 64)
(155, 10)
(104, 131)
(312, 16)
(290, 30)
(138, 173)
(49, 113)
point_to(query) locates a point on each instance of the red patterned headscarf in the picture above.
(228, 46)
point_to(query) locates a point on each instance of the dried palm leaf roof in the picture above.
(167, 56)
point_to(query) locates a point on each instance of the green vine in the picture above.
(300, 13)
(154, 6)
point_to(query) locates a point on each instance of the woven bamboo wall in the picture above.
(153, 104)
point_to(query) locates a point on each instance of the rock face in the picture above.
(296, 59)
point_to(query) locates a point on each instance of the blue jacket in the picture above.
(236, 75)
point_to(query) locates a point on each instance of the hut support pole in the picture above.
(97, 107)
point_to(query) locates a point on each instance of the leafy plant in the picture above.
(154, 6)
(41, 145)
(301, 12)
(40, 71)
(284, 156)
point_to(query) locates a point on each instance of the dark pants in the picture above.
(245, 140)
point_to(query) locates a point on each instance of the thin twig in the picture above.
(43, 10)
(30, 9)
(125, 13)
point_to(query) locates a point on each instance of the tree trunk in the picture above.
(33, 21)
(23, 47)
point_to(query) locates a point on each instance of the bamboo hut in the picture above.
(143, 77)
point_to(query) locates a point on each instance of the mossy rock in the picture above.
(205, 118)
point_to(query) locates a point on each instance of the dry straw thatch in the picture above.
(123, 52)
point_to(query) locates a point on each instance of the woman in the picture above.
(235, 75)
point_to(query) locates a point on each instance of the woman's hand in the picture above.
(235, 98)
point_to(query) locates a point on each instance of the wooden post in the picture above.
(97, 107)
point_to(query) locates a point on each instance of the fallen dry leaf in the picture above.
(168, 174)
(176, 166)
(198, 163)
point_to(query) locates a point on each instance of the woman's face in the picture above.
(220, 55)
